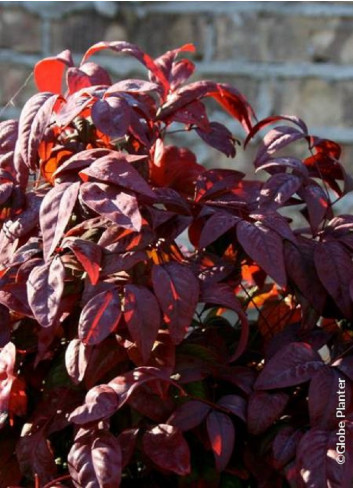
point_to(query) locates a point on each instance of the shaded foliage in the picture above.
(133, 355)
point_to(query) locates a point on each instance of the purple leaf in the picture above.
(294, 364)
(116, 168)
(335, 270)
(45, 287)
(217, 225)
(189, 415)
(99, 317)
(76, 360)
(101, 402)
(142, 316)
(324, 399)
(177, 291)
(317, 459)
(55, 213)
(264, 409)
(221, 433)
(278, 189)
(89, 254)
(111, 116)
(235, 404)
(317, 203)
(115, 205)
(167, 448)
(265, 247)
(95, 459)
(219, 137)
(284, 445)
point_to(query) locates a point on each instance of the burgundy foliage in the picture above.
(164, 324)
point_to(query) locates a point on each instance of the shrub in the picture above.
(131, 357)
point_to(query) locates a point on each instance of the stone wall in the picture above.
(286, 57)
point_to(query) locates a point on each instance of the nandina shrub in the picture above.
(129, 358)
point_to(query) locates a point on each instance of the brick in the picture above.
(19, 30)
(269, 37)
(12, 79)
(77, 32)
(158, 33)
(318, 102)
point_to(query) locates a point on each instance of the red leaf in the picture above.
(87, 75)
(95, 459)
(89, 254)
(112, 203)
(99, 317)
(292, 365)
(55, 213)
(175, 167)
(117, 168)
(265, 247)
(45, 287)
(335, 270)
(167, 448)
(133, 50)
(264, 409)
(48, 73)
(189, 415)
(221, 433)
(111, 116)
(142, 316)
(177, 291)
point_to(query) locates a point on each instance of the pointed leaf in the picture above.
(323, 405)
(292, 365)
(95, 459)
(264, 409)
(189, 415)
(317, 459)
(45, 287)
(177, 291)
(55, 213)
(221, 433)
(335, 269)
(115, 205)
(217, 225)
(116, 168)
(167, 448)
(142, 316)
(265, 247)
(111, 116)
(89, 254)
(99, 317)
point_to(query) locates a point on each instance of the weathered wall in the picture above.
(286, 57)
